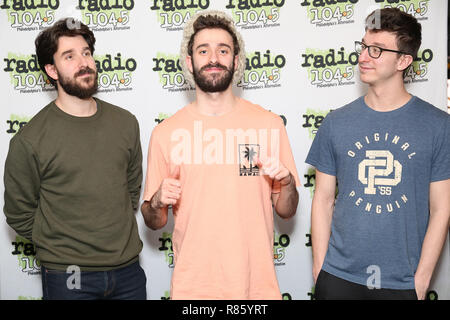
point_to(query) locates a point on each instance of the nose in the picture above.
(213, 57)
(84, 60)
(364, 55)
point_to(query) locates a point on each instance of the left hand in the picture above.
(275, 170)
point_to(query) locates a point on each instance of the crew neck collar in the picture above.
(68, 116)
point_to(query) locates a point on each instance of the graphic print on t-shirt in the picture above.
(247, 164)
(379, 172)
(375, 170)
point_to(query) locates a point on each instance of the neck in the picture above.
(215, 103)
(75, 106)
(387, 96)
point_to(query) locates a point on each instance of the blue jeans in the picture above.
(127, 283)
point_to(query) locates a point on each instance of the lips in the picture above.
(364, 67)
(213, 67)
(84, 72)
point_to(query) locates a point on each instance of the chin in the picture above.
(366, 79)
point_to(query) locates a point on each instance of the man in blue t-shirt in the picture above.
(389, 152)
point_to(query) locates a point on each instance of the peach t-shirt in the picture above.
(223, 223)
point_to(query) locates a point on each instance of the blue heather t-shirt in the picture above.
(384, 163)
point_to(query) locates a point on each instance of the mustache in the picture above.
(84, 71)
(213, 65)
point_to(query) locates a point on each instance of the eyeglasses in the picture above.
(374, 51)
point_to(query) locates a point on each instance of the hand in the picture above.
(275, 170)
(169, 191)
(421, 288)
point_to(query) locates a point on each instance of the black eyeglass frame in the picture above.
(365, 46)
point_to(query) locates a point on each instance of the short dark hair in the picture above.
(407, 29)
(47, 41)
(213, 21)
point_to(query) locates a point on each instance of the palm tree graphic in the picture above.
(249, 153)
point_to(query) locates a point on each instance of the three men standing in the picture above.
(72, 187)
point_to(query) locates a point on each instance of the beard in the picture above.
(71, 87)
(213, 82)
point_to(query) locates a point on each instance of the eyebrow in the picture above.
(378, 44)
(207, 45)
(71, 50)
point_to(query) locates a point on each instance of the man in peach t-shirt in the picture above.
(221, 162)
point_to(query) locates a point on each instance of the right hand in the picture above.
(169, 191)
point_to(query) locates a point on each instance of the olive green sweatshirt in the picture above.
(72, 185)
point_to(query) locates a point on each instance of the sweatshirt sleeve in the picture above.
(22, 185)
(135, 169)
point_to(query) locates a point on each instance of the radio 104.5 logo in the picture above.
(25, 73)
(262, 70)
(170, 73)
(329, 68)
(115, 73)
(255, 14)
(106, 15)
(25, 252)
(30, 15)
(417, 8)
(418, 71)
(173, 14)
(280, 244)
(326, 13)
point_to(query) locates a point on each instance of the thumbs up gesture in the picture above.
(169, 191)
(273, 168)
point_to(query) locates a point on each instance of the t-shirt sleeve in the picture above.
(285, 154)
(157, 165)
(440, 168)
(321, 154)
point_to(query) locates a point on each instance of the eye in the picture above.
(376, 50)
(87, 53)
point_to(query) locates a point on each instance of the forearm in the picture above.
(155, 217)
(134, 190)
(432, 246)
(19, 211)
(321, 216)
(286, 205)
(22, 223)
(134, 172)
(435, 236)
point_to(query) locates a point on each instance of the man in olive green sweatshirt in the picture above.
(73, 177)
